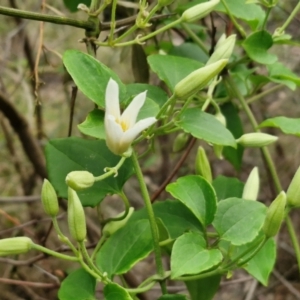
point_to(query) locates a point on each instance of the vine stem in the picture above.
(46, 18)
(151, 216)
(289, 19)
(293, 237)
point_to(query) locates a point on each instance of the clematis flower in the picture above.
(122, 129)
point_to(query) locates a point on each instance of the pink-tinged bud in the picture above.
(251, 187)
(256, 139)
(79, 180)
(16, 245)
(199, 11)
(275, 215)
(76, 217)
(198, 79)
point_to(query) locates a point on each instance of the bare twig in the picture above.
(29, 283)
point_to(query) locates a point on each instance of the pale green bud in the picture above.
(199, 11)
(16, 245)
(180, 141)
(218, 149)
(79, 180)
(202, 165)
(293, 192)
(49, 199)
(76, 216)
(251, 187)
(220, 117)
(223, 49)
(113, 226)
(198, 79)
(275, 215)
(256, 139)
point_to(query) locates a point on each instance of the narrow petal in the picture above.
(114, 133)
(131, 112)
(112, 105)
(133, 132)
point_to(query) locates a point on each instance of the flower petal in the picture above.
(112, 105)
(114, 133)
(133, 132)
(131, 112)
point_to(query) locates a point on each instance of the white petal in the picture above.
(131, 112)
(133, 132)
(114, 133)
(112, 105)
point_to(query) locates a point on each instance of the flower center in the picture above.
(124, 125)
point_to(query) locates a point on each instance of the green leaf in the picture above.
(281, 74)
(93, 125)
(172, 297)
(190, 256)
(113, 291)
(189, 50)
(257, 44)
(149, 109)
(91, 76)
(154, 93)
(75, 154)
(176, 217)
(162, 230)
(287, 125)
(197, 195)
(78, 285)
(239, 221)
(72, 4)
(206, 127)
(234, 124)
(262, 264)
(125, 248)
(172, 69)
(227, 187)
(203, 289)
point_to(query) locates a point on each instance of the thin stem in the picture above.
(236, 24)
(113, 21)
(46, 18)
(151, 216)
(294, 239)
(266, 17)
(289, 19)
(97, 248)
(112, 171)
(264, 93)
(95, 4)
(54, 253)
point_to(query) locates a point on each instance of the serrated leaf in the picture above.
(176, 217)
(239, 221)
(206, 127)
(113, 291)
(197, 195)
(75, 154)
(172, 69)
(77, 286)
(91, 76)
(228, 187)
(190, 256)
(125, 248)
(287, 125)
(257, 45)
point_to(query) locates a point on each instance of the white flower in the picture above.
(121, 130)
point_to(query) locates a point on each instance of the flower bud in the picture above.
(113, 226)
(251, 187)
(49, 199)
(198, 11)
(79, 180)
(275, 215)
(76, 217)
(180, 141)
(202, 165)
(16, 245)
(220, 117)
(198, 79)
(293, 192)
(218, 149)
(256, 139)
(223, 49)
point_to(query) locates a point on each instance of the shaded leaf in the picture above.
(227, 187)
(113, 291)
(287, 125)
